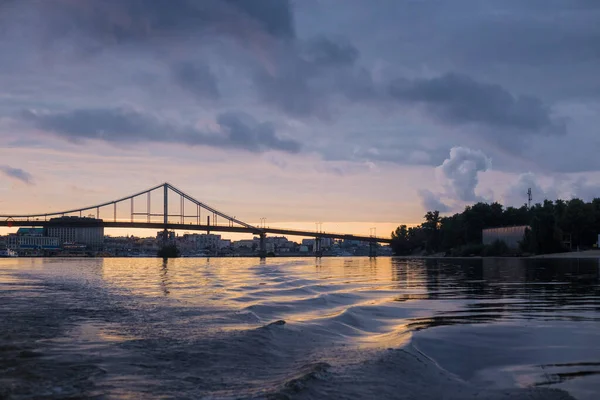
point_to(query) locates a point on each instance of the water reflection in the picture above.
(509, 322)
(164, 277)
(511, 315)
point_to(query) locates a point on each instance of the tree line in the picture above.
(554, 226)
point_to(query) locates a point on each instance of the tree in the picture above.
(549, 222)
(400, 242)
(406, 241)
(431, 227)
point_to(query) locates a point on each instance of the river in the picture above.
(299, 328)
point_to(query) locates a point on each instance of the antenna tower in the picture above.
(529, 198)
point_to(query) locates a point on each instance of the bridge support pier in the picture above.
(318, 248)
(262, 248)
(372, 249)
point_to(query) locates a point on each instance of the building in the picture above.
(83, 231)
(246, 243)
(511, 235)
(160, 236)
(269, 247)
(278, 241)
(205, 241)
(31, 239)
(225, 244)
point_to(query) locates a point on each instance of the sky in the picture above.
(351, 112)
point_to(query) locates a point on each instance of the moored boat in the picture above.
(4, 253)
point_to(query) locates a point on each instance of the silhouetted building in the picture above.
(77, 230)
(160, 236)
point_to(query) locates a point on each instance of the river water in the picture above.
(299, 328)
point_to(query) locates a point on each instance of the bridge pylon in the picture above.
(262, 248)
(318, 247)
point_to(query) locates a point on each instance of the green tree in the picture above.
(549, 223)
(431, 228)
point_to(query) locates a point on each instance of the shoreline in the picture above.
(586, 254)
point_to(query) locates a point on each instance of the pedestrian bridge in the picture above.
(157, 208)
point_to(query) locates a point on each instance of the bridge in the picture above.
(190, 214)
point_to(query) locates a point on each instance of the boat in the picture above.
(5, 253)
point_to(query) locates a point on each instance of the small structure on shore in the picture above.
(511, 235)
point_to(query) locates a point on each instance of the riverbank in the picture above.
(572, 254)
(588, 254)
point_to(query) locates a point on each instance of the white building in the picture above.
(278, 241)
(32, 242)
(203, 241)
(249, 243)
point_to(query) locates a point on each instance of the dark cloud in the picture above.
(235, 130)
(290, 89)
(275, 16)
(17, 173)
(246, 133)
(459, 99)
(308, 76)
(197, 79)
(432, 202)
(544, 47)
(342, 68)
(327, 52)
(527, 33)
(133, 20)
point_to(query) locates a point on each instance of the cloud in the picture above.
(459, 176)
(110, 22)
(326, 51)
(461, 171)
(516, 194)
(197, 79)
(308, 76)
(550, 188)
(459, 99)
(355, 75)
(584, 189)
(432, 202)
(118, 125)
(246, 133)
(17, 174)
